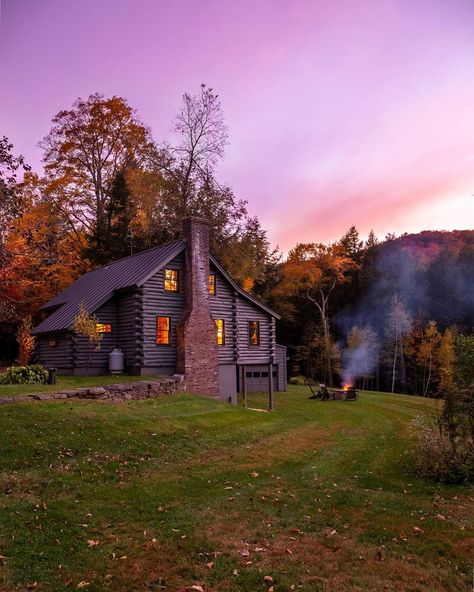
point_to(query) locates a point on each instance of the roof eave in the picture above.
(242, 292)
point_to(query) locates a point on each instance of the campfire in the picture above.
(347, 392)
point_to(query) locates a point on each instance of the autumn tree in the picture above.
(445, 360)
(41, 258)
(311, 273)
(85, 325)
(427, 354)
(10, 197)
(86, 147)
(26, 341)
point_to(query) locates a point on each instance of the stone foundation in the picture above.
(130, 391)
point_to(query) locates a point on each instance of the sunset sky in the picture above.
(339, 112)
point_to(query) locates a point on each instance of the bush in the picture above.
(35, 374)
(444, 445)
(298, 380)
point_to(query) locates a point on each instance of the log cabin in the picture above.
(172, 309)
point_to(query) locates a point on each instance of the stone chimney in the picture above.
(197, 356)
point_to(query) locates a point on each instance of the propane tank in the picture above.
(116, 361)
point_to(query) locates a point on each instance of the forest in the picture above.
(394, 314)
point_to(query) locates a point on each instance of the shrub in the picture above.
(35, 374)
(444, 444)
(298, 380)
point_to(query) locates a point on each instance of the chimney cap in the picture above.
(197, 219)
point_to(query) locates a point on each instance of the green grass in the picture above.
(65, 383)
(182, 490)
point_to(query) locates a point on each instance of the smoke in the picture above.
(357, 361)
(416, 280)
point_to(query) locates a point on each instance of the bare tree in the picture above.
(202, 136)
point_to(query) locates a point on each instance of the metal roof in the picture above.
(96, 287)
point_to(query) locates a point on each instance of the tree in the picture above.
(26, 341)
(10, 202)
(85, 324)
(312, 272)
(445, 359)
(41, 258)
(464, 356)
(398, 324)
(86, 147)
(116, 240)
(202, 136)
(427, 354)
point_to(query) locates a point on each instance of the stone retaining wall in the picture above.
(143, 389)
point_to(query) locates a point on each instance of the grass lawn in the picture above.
(66, 382)
(166, 493)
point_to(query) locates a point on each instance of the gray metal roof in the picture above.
(96, 287)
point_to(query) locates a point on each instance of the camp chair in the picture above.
(324, 393)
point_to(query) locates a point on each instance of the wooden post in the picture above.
(270, 387)
(244, 385)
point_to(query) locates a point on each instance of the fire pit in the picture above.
(346, 393)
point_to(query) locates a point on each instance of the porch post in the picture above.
(270, 387)
(244, 384)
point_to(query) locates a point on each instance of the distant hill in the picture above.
(428, 244)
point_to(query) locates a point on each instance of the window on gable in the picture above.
(171, 280)
(212, 284)
(220, 331)
(163, 330)
(103, 328)
(254, 332)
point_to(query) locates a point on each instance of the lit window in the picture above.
(163, 330)
(254, 333)
(220, 331)
(103, 328)
(53, 343)
(171, 280)
(212, 284)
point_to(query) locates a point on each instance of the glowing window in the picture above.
(103, 328)
(254, 332)
(163, 330)
(171, 280)
(220, 331)
(212, 284)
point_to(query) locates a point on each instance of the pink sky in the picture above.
(339, 112)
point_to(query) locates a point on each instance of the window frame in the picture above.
(103, 328)
(164, 344)
(257, 333)
(212, 274)
(217, 331)
(175, 281)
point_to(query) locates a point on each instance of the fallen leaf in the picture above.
(289, 551)
(244, 552)
(438, 516)
(235, 572)
(254, 474)
(91, 543)
(416, 529)
(83, 584)
(210, 565)
(195, 588)
(267, 579)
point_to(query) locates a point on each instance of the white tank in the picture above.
(116, 361)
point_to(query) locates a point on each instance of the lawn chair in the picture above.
(324, 393)
(352, 394)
